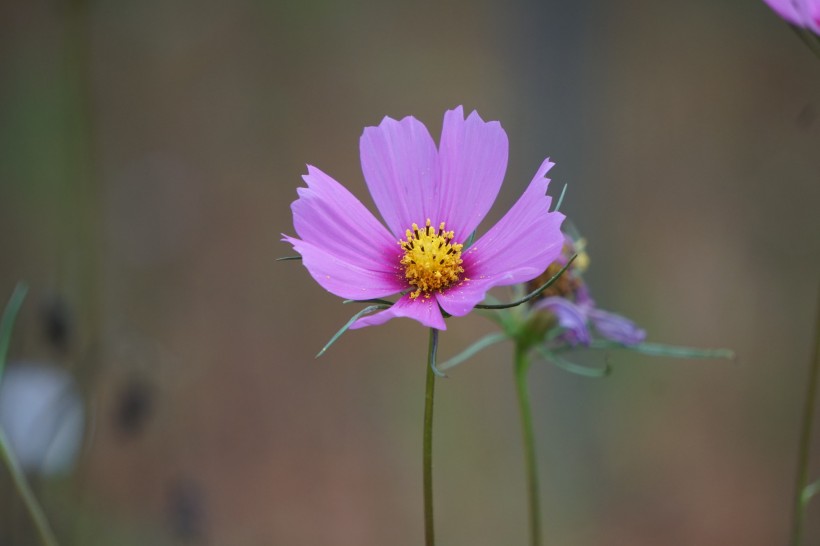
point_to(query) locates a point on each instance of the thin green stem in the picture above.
(522, 365)
(6, 453)
(7, 321)
(800, 499)
(429, 534)
(35, 511)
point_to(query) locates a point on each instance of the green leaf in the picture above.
(566, 365)
(659, 349)
(7, 321)
(349, 323)
(472, 350)
(287, 258)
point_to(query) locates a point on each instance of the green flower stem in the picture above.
(429, 534)
(800, 498)
(522, 366)
(35, 511)
(7, 321)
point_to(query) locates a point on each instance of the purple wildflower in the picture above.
(431, 200)
(575, 311)
(801, 13)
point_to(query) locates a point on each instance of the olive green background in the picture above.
(149, 152)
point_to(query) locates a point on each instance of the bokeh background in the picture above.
(149, 152)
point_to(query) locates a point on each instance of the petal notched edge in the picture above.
(523, 243)
(400, 165)
(329, 217)
(473, 157)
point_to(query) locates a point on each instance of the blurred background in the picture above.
(162, 369)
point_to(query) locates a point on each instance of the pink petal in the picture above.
(517, 249)
(473, 157)
(400, 166)
(342, 277)
(616, 327)
(424, 310)
(343, 246)
(328, 216)
(524, 242)
(571, 317)
(787, 10)
(460, 299)
(812, 13)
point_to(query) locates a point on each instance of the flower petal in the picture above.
(524, 242)
(616, 327)
(400, 166)
(473, 158)
(460, 299)
(571, 317)
(424, 310)
(328, 216)
(786, 9)
(340, 276)
(802, 13)
(517, 249)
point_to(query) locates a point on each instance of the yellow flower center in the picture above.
(431, 260)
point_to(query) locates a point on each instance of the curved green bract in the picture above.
(472, 350)
(572, 367)
(343, 329)
(659, 349)
(534, 294)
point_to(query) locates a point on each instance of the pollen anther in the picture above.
(426, 268)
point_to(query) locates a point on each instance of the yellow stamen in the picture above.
(431, 260)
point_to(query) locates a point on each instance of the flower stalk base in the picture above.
(522, 366)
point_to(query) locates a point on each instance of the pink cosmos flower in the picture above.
(431, 200)
(802, 13)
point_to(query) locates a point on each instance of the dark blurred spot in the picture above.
(805, 119)
(57, 323)
(134, 406)
(186, 510)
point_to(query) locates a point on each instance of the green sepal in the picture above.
(287, 258)
(343, 329)
(7, 321)
(566, 365)
(659, 349)
(472, 350)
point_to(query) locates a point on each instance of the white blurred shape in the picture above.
(42, 415)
